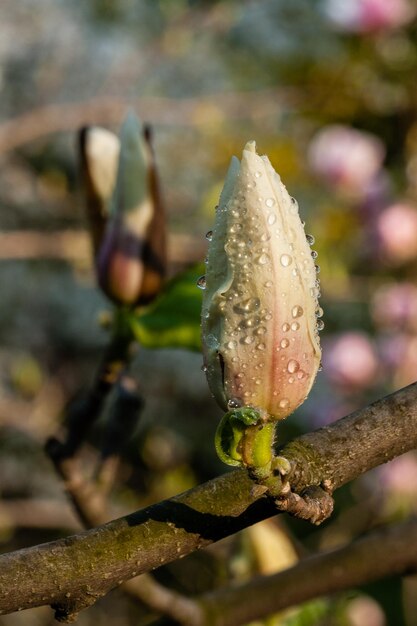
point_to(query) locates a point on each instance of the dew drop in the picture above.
(291, 379)
(272, 218)
(270, 202)
(314, 254)
(209, 235)
(204, 368)
(295, 326)
(284, 403)
(284, 343)
(234, 403)
(320, 324)
(293, 366)
(294, 206)
(258, 174)
(286, 327)
(286, 260)
(235, 228)
(261, 346)
(231, 345)
(201, 282)
(261, 330)
(297, 311)
(248, 340)
(268, 317)
(317, 268)
(310, 239)
(263, 259)
(269, 283)
(319, 312)
(247, 306)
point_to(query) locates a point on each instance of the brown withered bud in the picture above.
(126, 213)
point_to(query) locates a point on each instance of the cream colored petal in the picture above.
(102, 152)
(266, 333)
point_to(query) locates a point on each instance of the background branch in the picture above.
(72, 573)
(384, 552)
(108, 111)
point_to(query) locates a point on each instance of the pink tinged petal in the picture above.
(259, 311)
(125, 275)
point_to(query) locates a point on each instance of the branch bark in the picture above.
(72, 573)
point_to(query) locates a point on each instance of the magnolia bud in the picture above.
(131, 258)
(260, 308)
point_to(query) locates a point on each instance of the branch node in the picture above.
(314, 504)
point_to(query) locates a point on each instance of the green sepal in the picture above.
(230, 432)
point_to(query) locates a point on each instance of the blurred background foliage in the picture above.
(327, 88)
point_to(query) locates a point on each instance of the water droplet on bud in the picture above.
(314, 254)
(270, 202)
(293, 366)
(297, 311)
(234, 403)
(320, 324)
(201, 282)
(263, 259)
(209, 235)
(284, 403)
(310, 239)
(286, 260)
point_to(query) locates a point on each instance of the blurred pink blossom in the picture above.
(365, 611)
(399, 355)
(394, 306)
(346, 158)
(396, 229)
(350, 360)
(406, 370)
(400, 475)
(392, 348)
(367, 16)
